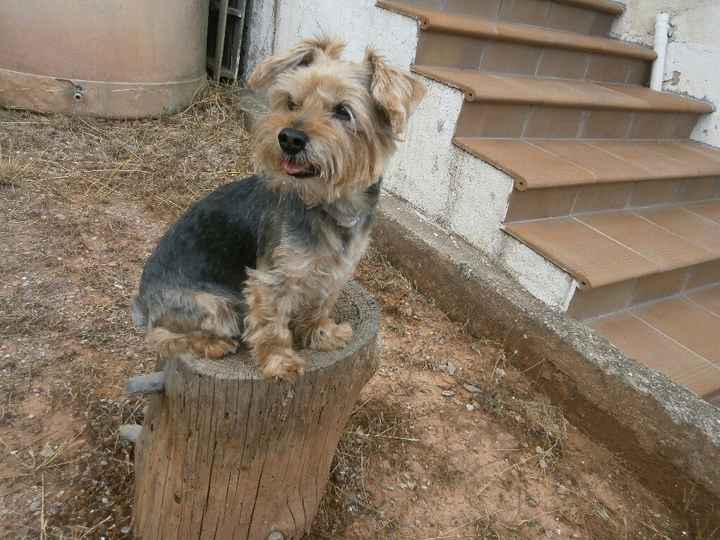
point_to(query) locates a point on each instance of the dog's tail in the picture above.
(139, 313)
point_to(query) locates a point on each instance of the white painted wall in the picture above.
(693, 52)
(259, 37)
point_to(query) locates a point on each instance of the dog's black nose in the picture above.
(292, 141)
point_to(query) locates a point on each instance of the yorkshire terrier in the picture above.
(264, 258)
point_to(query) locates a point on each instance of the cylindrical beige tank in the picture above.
(111, 58)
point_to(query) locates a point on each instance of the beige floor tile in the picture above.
(650, 347)
(665, 249)
(686, 323)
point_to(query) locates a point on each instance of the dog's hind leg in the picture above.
(201, 323)
(201, 344)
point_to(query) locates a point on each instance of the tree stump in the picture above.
(225, 454)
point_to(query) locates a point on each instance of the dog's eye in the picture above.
(291, 105)
(341, 112)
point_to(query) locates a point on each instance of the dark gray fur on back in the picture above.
(210, 248)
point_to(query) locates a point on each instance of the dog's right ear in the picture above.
(307, 52)
(396, 93)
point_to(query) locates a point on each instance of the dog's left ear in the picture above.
(397, 93)
(305, 53)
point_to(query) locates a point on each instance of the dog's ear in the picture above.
(305, 53)
(397, 93)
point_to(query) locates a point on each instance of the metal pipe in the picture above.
(130, 432)
(152, 383)
(662, 32)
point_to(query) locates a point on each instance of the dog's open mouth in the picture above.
(298, 170)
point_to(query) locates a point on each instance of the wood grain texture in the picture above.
(225, 454)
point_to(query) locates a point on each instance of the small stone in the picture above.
(276, 535)
(469, 407)
(450, 368)
(35, 505)
(448, 393)
(125, 530)
(472, 388)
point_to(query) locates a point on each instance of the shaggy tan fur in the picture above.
(351, 116)
(297, 288)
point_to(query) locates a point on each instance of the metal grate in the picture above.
(225, 32)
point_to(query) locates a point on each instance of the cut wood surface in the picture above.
(225, 454)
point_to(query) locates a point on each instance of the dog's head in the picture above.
(331, 124)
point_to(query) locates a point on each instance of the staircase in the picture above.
(607, 184)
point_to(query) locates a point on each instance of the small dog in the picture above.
(264, 258)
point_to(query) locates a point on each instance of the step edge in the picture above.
(583, 281)
(685, 104)
(402, 8)
(523, 183)
(603, 6)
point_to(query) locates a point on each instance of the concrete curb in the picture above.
(668, 436)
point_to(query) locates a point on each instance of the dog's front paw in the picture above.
(329, 336)
(284, 364)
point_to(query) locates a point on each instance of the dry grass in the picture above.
(166, 163)
(11, 171)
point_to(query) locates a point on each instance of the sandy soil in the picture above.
(449, 439)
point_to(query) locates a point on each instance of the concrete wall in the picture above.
(259, 36)
(693, 52)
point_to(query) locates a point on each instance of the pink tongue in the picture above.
(292, 168)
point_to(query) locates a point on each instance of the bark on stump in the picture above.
(225, 454)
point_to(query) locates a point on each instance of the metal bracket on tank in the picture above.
(78, 90)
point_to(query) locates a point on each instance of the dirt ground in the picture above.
(449, 439)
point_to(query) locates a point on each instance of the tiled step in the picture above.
(600, 301)
(482, 27)
(536, 164)
(506, 89)
(462, 41)
(475, 43)
(604, 248)
(580, 16)
(536, 204)
(509, 121)
(678, 336)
